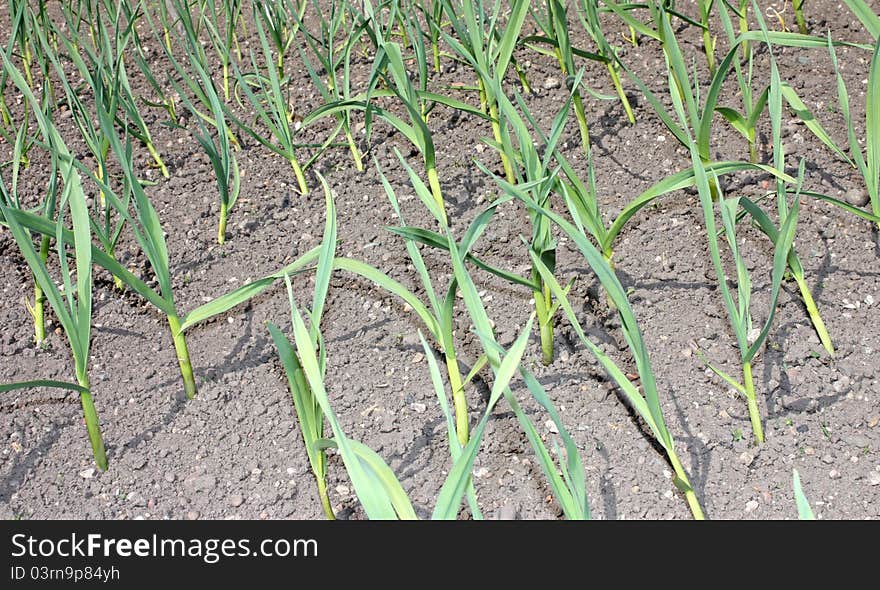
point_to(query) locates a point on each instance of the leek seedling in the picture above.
(308, 410)
(481, 44)
(708, 41)
(433, 14)
(533, 177)
(749, 341)
(554, 24)
(777, 91)
(868, 163)
(163, 99)
(9, 197)
(220, 153)
(647, 404)
(151, 238)
(73, 305)
(279, 20)
(389, 67)
(332, 58)
(271, 105)
(223, 33)
(588, 14)
(376, 487)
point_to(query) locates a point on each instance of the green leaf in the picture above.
(376, 468)
(449, 498)
(246, 292)
(803, 506)
(385, 282)
(866, 15)
(804, 114)
(42, 383)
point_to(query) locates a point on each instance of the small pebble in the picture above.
(170, 477)
(874, 478)
(551, 427)
(87, 473)
(192, 515)
(834, 474)
(751, 505)
(551, 83)
(236, 501)
(508, 512)
(746, 458)
(856, 196)
(419, 408)
(827, 459)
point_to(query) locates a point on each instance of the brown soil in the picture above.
(235, 450)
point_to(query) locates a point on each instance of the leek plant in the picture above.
(149, 234)
(705, 7)
(279, 20)
(72, 303)
(867, 163)
(222, 21)
(553, 22)
(432, 11)
(333, 56)
(588, 14)
(47, 208)
(309, 411)
(271, 105)
(533, 176)
(645, 402)
(486, 43)
(749, 340)
(219, 152)
(102, 66)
